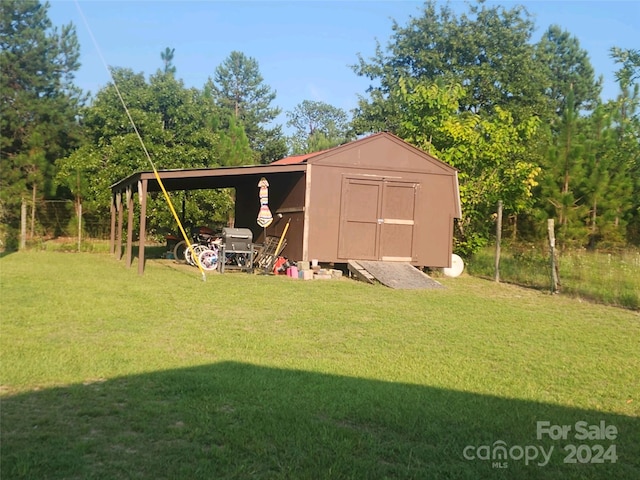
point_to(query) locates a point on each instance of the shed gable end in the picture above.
(382, 151)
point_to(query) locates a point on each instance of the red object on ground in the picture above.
(277, 266)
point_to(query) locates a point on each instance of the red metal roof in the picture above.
(295, 159)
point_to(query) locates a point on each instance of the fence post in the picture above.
(552, 255)
(498, 240)
(23, 225)
(79, 225)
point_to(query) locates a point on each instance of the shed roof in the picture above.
(224, 177)
(201, 178)
(295, 159)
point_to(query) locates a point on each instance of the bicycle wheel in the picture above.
(178, 250)
(189, 256)
(208, 259)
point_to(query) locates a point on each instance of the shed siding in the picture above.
(426, 233)
(436, 221)
(383, 153)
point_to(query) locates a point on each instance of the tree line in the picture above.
(522, 121)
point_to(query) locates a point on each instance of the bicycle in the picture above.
(206, 249)
(202, 239)
(210, 258)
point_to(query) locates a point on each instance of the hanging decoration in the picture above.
(265, 218)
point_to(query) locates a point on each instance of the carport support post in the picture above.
(120, 207)
(129, 226)
(112, 237)
(142, 193)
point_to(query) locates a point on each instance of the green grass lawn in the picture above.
(107, 374)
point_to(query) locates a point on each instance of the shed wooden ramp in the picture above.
(401, 275)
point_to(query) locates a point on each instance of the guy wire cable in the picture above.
(144, 147)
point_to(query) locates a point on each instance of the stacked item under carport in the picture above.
(236, 250)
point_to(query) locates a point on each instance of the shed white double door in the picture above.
(377, 219)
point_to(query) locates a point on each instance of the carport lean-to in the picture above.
(377, 198)
(243, 179)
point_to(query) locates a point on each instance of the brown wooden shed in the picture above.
(376, 198)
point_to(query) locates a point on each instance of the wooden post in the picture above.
(129, 254)
(79, 212)
(23, 225)
(79, 225)
(184, 206)
(142, 238)
(120, 205)
(498, 240)
(33, 212)
(552, 255)
(112, 236)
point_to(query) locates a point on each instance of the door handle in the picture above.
(380, 221)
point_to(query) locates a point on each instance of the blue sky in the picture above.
(304, 48)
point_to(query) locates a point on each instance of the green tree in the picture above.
(563, 171)
(167, 59)
(626, 122)
(588, 176)
(317, 126)
(489, 153)
(607, 186)
(597, 178)
(569, 69)
(629, 72)
(239, 89)
(488, 50)
(39, 103)
(180, 129)
(234, 146)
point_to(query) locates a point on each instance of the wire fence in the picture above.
(609, 277)
(65, 223)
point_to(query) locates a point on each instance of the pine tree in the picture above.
(39, 103)
(562, 174)
(626, 119)
(568, 69)
(239, 89)
(167, 59)
(234, 146)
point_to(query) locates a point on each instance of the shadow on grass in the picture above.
(6, 253)
(233, 420)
